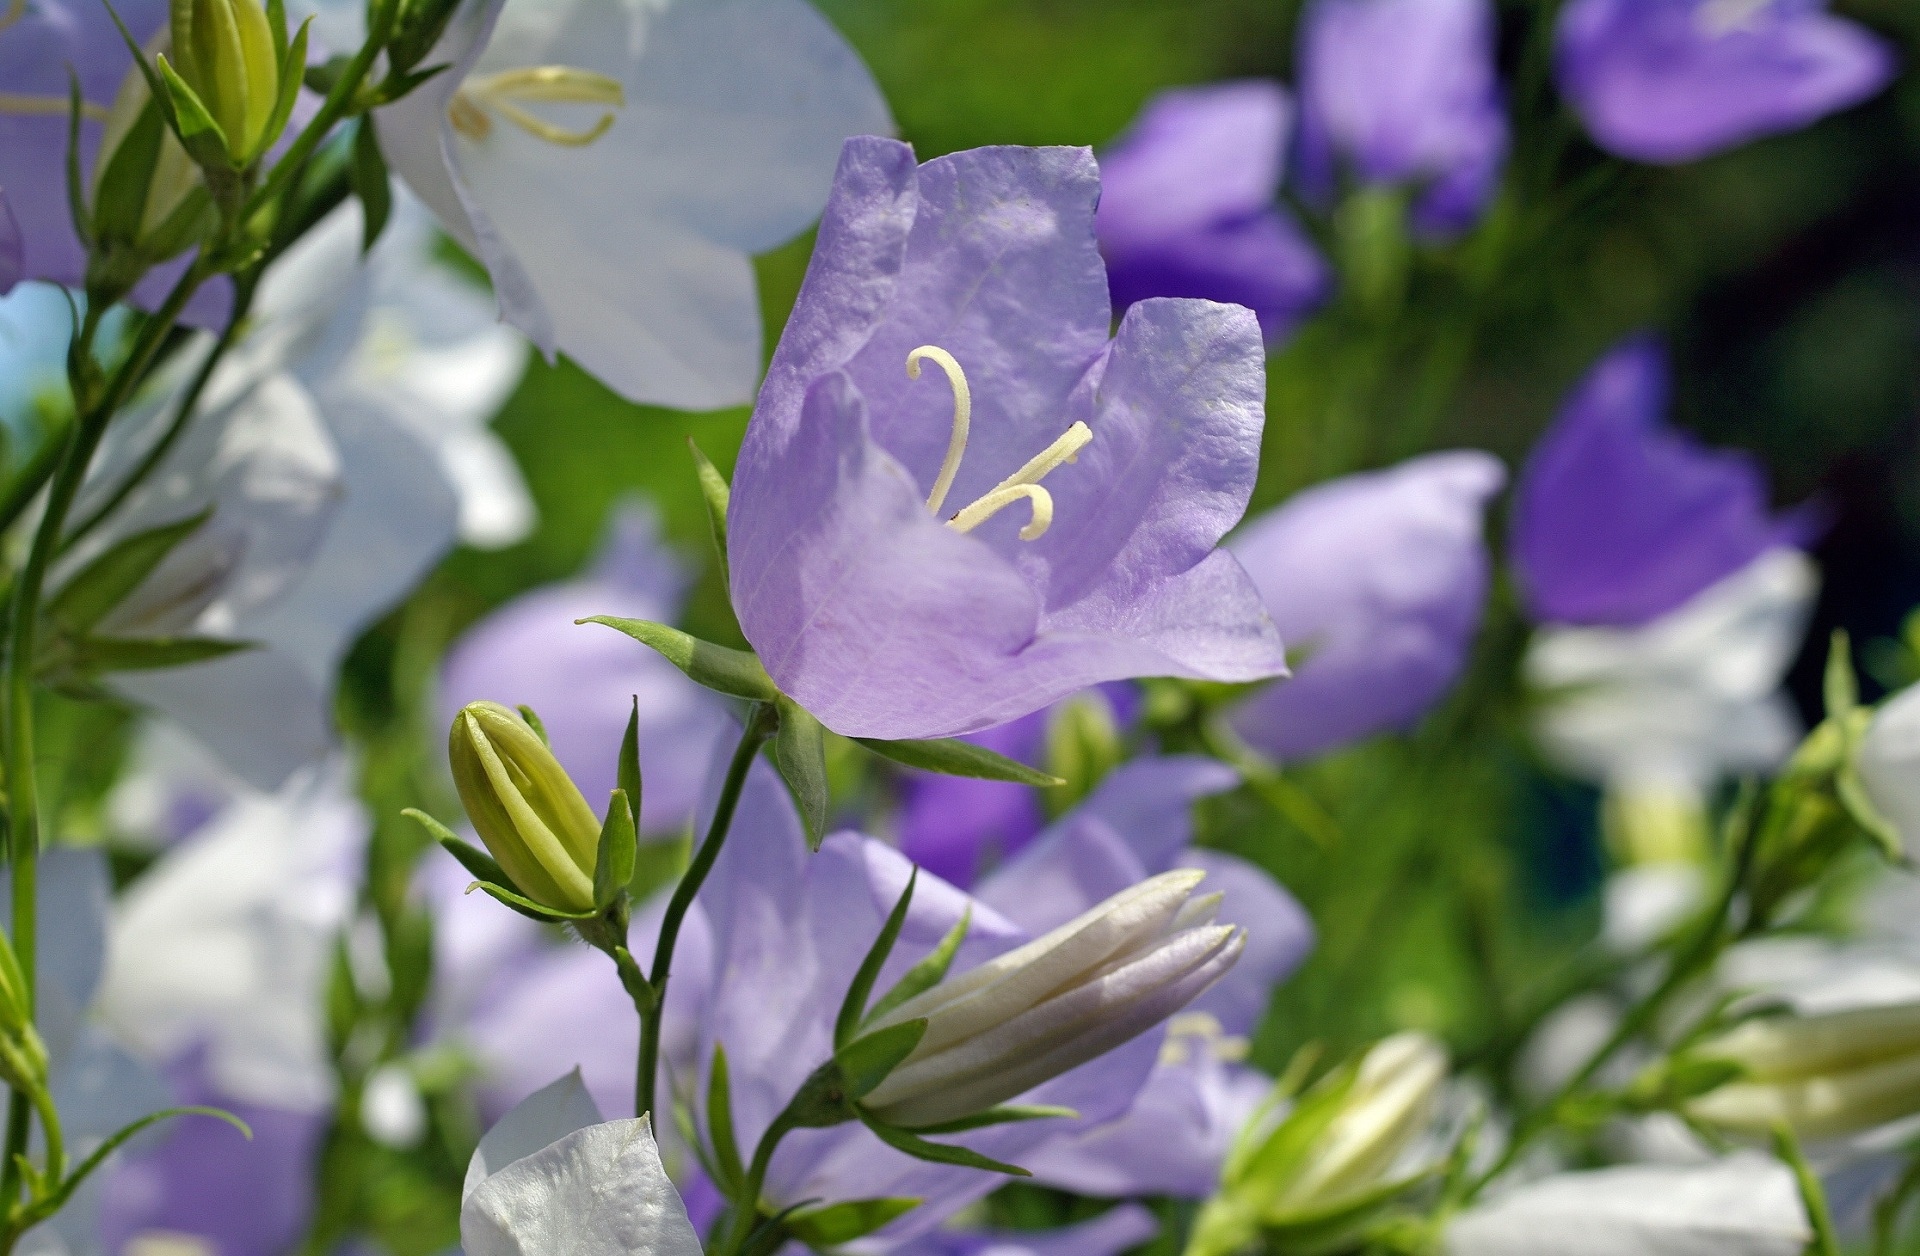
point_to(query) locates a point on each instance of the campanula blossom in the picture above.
(1187, 206)
(1403, 93)
(615, 166)
(927, 554)
(1668, 81)
(1377, 581)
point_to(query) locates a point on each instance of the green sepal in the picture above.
(865, 1062)
(199, 133)
(1839, 687)
(627, 773)
(105, 582)
(155, 87)
(398, 85)
(835, 1224)
(147, 654)
(926, 974)
(471, 857)
(937, 1153)
(613, 862)
(735, 673)
(800, 753)
(770, 1235)
(76, 185)
(853, 1008)
(1006, 1114)
(1853, 796)
(320, 79)
(952, 757)
(729, 1170)
(716, 491)
(536, 724)
(277, 27)
(527, 907)
(292, 67)
(120, 193)
(1336, 1227)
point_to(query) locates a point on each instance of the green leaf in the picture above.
(471, 857)
(866, 1061)
(929, 972)
(533, 722)
(952, 757)
(714, 487)
(120, 193)
(628, 772)
(527, 907)
(800, 753)
(292, 69)
(736, 673)
(846, 1221)
(52, 1203)
(937, 1153)
(853, 1008)
(613, 862)
(199, 134)
(146, 654)
(1841, 689)
(76, 186)
(105, 582)
(728, 1168)
(1006, 1114)
(367, 176)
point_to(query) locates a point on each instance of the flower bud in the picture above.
(1888, 761)
(1823, 1076)
(527, 810)
(1057, 1002)
(223, 50)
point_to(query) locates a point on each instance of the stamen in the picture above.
(962, 418)
(19, 104)
(538, 84)
(1025, 483)
(468, 118)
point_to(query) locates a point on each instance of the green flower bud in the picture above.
(23, 1058)
(525, 807)
(224, 51)
(1824, 1076)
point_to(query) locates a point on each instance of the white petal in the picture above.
(599, 1191)
(548, 1114)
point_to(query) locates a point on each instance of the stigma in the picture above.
(1022, 485)
(508, 92)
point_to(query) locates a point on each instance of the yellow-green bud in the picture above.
(223, 49)
(525, 807)
(23, 1058)
(1823, 1076)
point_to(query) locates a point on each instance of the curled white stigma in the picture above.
(1023, 484)
(506, 93)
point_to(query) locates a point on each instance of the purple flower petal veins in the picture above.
(1668, 81)
(1187, 206)
(1403, 93)
(1619, 518)
(886, 621)
(1379, 581)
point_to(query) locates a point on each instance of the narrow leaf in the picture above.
(533, 722)
(76, 186)
(714, 487)
(1841, 690)
(367, 176)
(853, 1008)
(613, 862)
(800, 753)
(952, 757)
(846, 1221)
(292, 67)
(727, 1164)
(628, 772)
(865, 1062)
(105, 582)
(146, 654)
(938, 1153)
(526, 906)
(120, 192)
(471, 857)
(1003, 1115)
(929, 972)
(199, 133)
(733, 672)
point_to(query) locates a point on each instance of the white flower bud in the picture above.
(1391, 1103)
(1824, 1076)
(1888, 761)
(1058, 1001)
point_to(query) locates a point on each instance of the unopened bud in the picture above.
(1057, 1002)
(527, 810)
(1888, 762)
(224, 51)
(1823, 1076)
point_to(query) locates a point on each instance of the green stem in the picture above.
(759, 727)
(1819, 1216)
(746, 1209)
(1886, 1213)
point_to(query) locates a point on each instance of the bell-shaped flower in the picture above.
(1824, 1076)
(525, 807)
(614, 166)
(919, 557)
(1377, 581)
(1403, 93)
(1670, 81)
(1888, 761)
(552, 1178)
(1187, 206)
(1742, 1205)
(583, 683)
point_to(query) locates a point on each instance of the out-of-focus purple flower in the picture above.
(864, 604)
(1187, 206)
(582, 682)
(36, 51)
(1403, 92)
(1669, 81)
(203, 1179)
(1112, 1232)
(1619, 518)
(1379, 580)
(13, 261)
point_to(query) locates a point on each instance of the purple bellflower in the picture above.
(1619, 518)
(1670, 81)
(1403, 92)
(582, 682)
(1379, 580)
(36, 51)
(1187, 206)
(875, 568)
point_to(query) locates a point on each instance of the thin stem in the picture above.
(746, 1209)
(759, 727)
(33, 476)
(1819, 1216)
(1886, 1213)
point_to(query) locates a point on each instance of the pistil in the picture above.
(506, 92)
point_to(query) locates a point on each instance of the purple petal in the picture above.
(953, 826)
(1675, 80)
(1192, 159)
(1380, 580)
(1619, 518)
(1263, 262)
(1280, 935)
